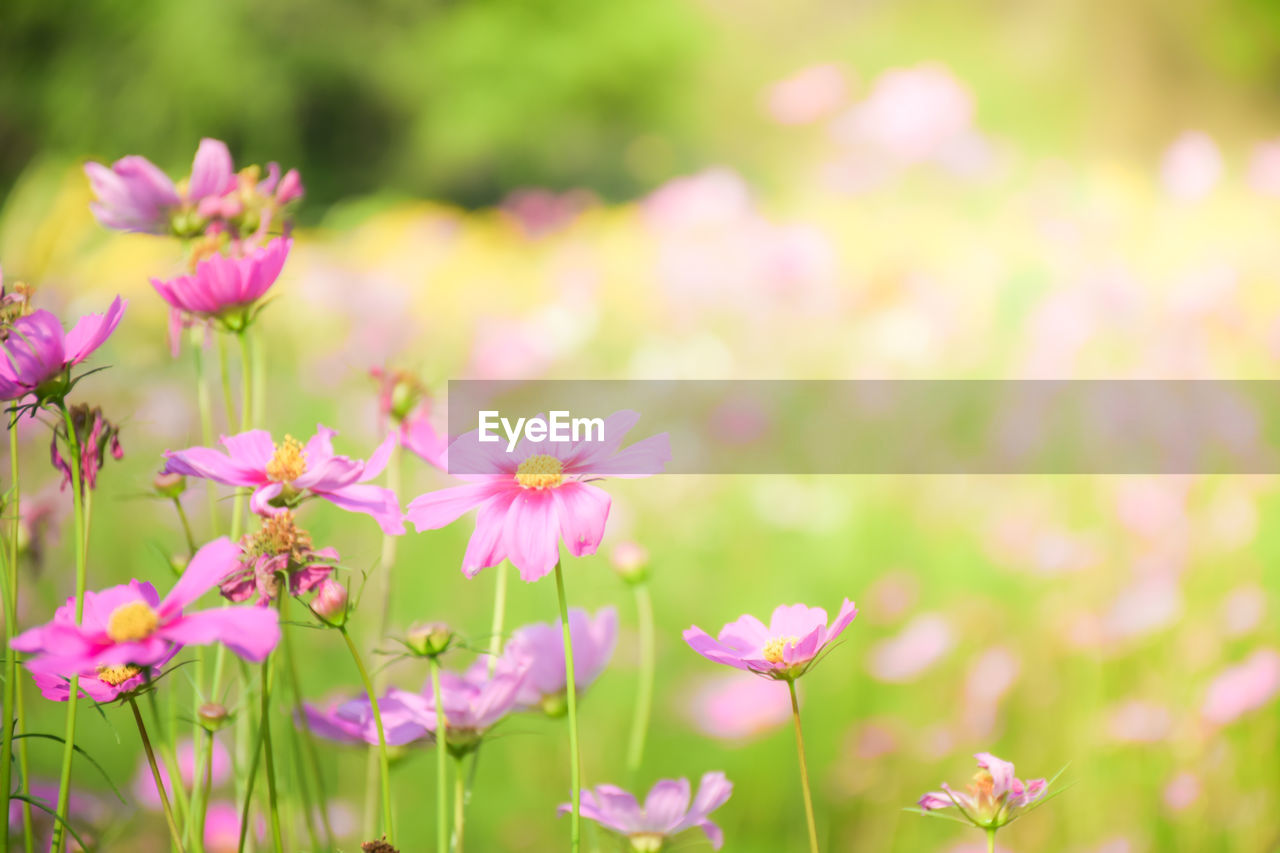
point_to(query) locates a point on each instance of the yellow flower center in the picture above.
(288, 463)
(131, 622)
(773, 650)
(117, 675)
(540, 471)
(646, 842)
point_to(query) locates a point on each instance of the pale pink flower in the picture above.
(1264, 168)
(795, 638)
(1247, 686)
(282, 475)
(738, 706)
(134, 195)
(1243, 610)
(912, 114)
(36, 354)
(1182, 791)
(531, 499)
(1136, 721)
(1191, 166)
(537, 651)
(807, 95)
(922, 643)
(667, 811)
(352, 720)
(993, 799)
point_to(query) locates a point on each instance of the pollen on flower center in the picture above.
(117, 675)
(773, 650)
(132, 622)
(288, 463)
(646, 842)
(540, 471)
(280, 535)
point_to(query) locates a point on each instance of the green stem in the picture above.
(69, 734)
(186, 526)
(28, 828)
(248, 788)
(804, 770)
(202, 784)
(645, 675)
(205, 403)
(386, 560)
(269, 755)
(571, 694)
(308, 745)
(442, 766)
(991, 841)
(383, 764)
(459, 810)
(155, 774)
(495, 651)
(12, 691)
(170, 759)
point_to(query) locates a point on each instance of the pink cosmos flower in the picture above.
(282, 475)
(1182, 791)
(135, 195)
(224, 287)
(128, 627)
(37, 351)
(737, 706)
(912, 114)
(903, 657)
(531, 499)
(351, 721)
(994, 798)
(406, 408)
(667, 811)
(537, 651)
(1242, 688)
(793, 641)
(144, 784)
(104, 685)
(473, 703)
(222, 827)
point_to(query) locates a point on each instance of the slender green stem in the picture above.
(991, 841)
(269, 755)
(169, 757)
(69, 735)
(383, 763)
(28, 828)
(12, 690)
(804, 770)
(308, 745)
(248, 788)
(186, 525)
(571, 694)
(442, 757)
(644, 676)
(385, 563)
(205, 403)
(201, 786)
(155, 774)
(459, 807)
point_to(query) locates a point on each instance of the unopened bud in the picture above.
(429, 640)
(631, 561)
(169, 485)
(330, 603)
(213, 716)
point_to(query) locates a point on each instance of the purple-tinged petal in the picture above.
(91, 331)
(207, 568)
(250, 632)
(666, 805)
(583, 510)
(211, 170)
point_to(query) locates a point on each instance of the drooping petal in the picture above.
(531, 535)
(485, 547)
(208, 567)
(379, 502)
(442, 507)
(583, 510)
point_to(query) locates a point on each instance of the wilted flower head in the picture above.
(129, 626)
(37, 355)
(667, 811)
(538, 651)
(785, 649)
(993, 799)
(278, 551)
(95, 436)
(283, 475)
(532, 498)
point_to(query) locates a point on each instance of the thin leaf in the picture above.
(80, 750)
(44, 807)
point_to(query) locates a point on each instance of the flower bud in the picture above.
(330, 603)
(429, 640)
(631, 561)
(378, 846)
(213, 716)
(169, 485)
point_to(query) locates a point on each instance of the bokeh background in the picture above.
(669, 189)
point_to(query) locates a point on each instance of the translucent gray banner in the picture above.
(870, 427)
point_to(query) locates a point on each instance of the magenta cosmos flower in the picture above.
(792, 642)
(282, 475)
(537, 651)
(994, 798)
(37, 354)
(530, 499)
(351, 721)
(667, 811)
(135, 195)
(473, 703)
(129, 628)
(226, 288)
(104, 685)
